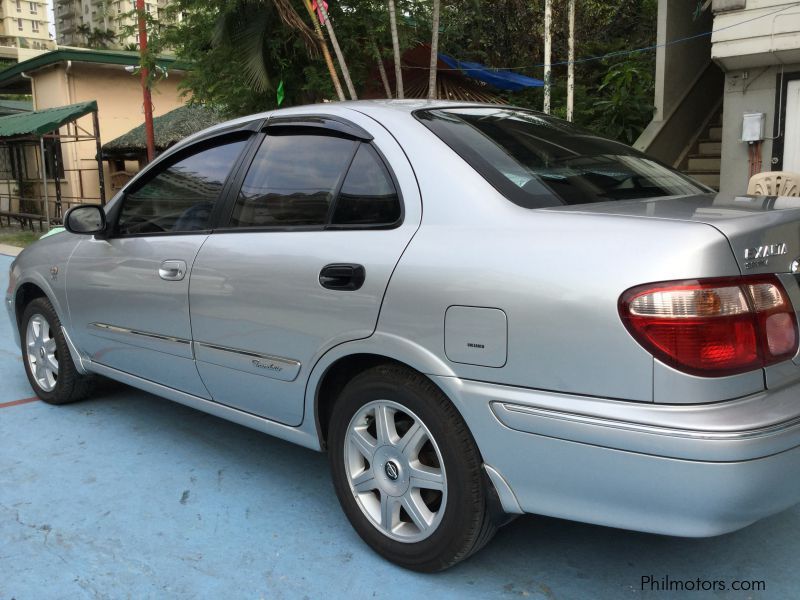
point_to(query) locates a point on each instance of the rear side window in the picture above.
(536, 161)
(305, 179)
(181, 196)
(368, 195)
(292, 181)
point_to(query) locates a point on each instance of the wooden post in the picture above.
(100, 174)
(398, 71)
(571, 65)
(335, 43)
(44, 187)
(382, 70)
(434, 50)
(548, 43)
(325, 53)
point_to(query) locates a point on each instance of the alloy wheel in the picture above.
(41, 352)
(395, 471)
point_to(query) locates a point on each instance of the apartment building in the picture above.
(24, 24)
(99, 23)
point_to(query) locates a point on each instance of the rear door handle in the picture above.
(344, 277)
(172, 270)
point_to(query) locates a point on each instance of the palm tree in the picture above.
(398, 74)
(244, 27)
(434, 50)
(85, 31)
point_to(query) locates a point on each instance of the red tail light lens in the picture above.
(713, 327)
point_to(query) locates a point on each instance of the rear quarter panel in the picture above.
(558, 277)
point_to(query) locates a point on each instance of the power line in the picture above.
(624, 52)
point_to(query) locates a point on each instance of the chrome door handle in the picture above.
(172, 270)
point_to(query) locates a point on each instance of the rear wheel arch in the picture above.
(340, 373)
(332, 382)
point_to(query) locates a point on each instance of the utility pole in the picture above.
(571, 64)
(548, 49)
(145, 76)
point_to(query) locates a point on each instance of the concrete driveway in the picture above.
(127, 495)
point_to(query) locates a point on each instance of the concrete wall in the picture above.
(747, 91)
(679, 68)
(681, 63)
(119, 100)
(769, 34)
(752, 55)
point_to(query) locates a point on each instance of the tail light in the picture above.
(713, 327)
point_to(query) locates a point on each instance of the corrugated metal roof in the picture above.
(40, 122)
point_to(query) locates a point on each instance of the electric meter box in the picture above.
(753, 127)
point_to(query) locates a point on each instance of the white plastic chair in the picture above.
(774, 183)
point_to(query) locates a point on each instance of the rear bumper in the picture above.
(687, 470)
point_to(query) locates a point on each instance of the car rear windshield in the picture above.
(537, 161)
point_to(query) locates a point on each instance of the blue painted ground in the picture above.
(130, 496)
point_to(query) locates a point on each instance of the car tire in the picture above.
(404, 518)
(45, 354)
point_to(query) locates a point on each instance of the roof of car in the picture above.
(369, 107)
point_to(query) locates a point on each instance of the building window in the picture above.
(35, 26)
(32, 7)
(19, 5)
(19, 24)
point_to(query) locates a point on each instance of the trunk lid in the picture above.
(763, 231)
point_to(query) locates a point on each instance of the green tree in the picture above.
(242, 49)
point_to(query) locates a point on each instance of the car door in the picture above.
(321, 218)
(128, 294)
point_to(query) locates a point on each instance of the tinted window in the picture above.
(368, 195)
(537, 161)
(181, 196)
(292, 181)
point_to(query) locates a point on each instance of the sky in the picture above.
(52, 18)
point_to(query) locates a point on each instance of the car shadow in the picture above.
(531, 556)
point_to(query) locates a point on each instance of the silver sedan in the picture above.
(477, 311)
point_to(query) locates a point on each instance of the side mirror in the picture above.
(85, 219)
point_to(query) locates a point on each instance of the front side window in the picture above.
(292, 181)
(181, 196)
(536, 161)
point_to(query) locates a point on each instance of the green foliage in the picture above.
(242, 49)
(96, 38)
(627, 107)
(17, 237)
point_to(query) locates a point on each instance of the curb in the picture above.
(9, 250)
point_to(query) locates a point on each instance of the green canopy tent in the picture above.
(42, 128)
